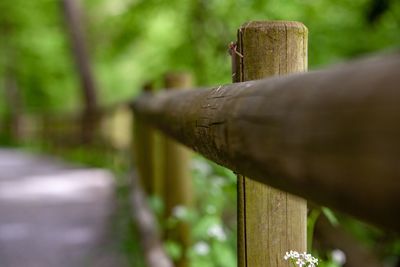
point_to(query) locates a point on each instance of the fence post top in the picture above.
(273, 25)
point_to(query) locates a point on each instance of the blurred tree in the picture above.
(34, 48)
(12, 116)
(72, 14)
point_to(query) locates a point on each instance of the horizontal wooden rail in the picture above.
(330, 136)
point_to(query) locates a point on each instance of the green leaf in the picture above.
(330, 215)
(173, 249)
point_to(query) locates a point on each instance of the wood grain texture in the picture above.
(178, 189)
(330, 136)
(270, 221)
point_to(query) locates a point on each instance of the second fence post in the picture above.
(143, 147)
(270, 222)
(178, 192)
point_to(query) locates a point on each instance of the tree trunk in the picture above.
(72, 15)
(12, 96)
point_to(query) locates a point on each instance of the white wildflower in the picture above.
(201, 166)
(300, 262)
(307, 257)
(338, 256)
(201, 248)
(217, 232)
(218, 181)
(301, 259)
(314, 261)
(179, 212)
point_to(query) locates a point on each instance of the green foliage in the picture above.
(215, 224)
(213, 219)
(34, 49)
(132, 41)
(330, 215)
(173, 249)
(311, 220)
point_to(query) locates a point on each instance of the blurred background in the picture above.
(133, 41)
(76, 60)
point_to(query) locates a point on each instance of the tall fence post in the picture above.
(270, 222)
(143, 147)
(178, 192)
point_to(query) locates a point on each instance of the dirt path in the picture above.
(52, 214)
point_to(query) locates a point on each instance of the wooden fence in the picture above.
(331, 137)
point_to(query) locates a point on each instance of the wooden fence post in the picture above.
(143, 147)
(178, 192)
(158, 163)
(149, 145)
(270, 222)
